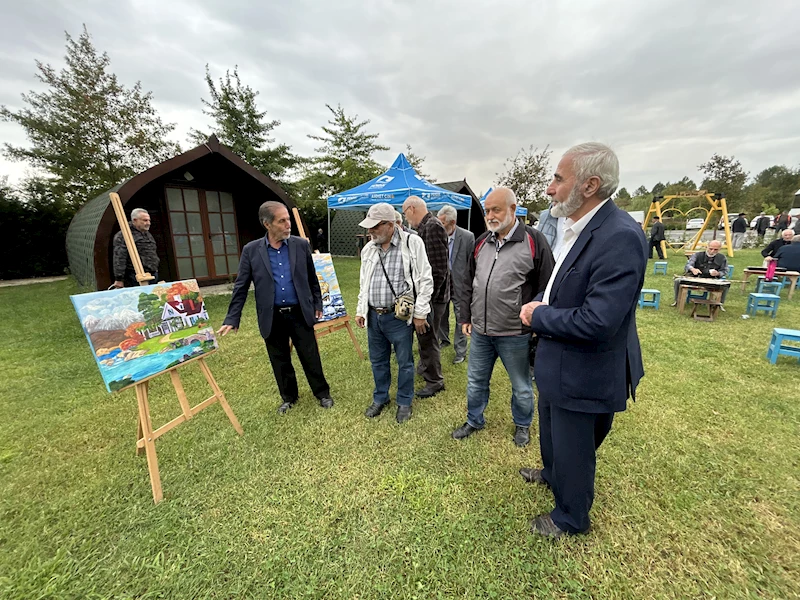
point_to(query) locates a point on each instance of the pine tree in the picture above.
(87, 131)
(240, 125)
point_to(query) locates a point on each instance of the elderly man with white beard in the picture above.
(510, 265)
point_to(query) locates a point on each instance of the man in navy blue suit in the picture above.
(288, 303)
(588, 361)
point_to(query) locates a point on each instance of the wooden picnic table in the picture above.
(792, 275)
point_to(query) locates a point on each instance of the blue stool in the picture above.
(730, 271)
(767, 303)
(786, 281)
(660, 267)
(776, 346)
(655, 301)
(768, 287)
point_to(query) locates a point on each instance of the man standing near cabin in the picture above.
(124, 274)
(288, 303)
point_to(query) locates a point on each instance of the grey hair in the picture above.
(593, 159)
(796, 239)
(416, 202)
(398, 218)
(266, 212)
(448, 212)
(138, 212)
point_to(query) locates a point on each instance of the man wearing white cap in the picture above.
(395, 287)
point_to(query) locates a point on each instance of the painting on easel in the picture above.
(332, 302)
(136, 333)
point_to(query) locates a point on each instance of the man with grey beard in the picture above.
(511, 263)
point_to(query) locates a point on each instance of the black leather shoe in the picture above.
(464, 431)
(458, 360)
(429, 392)
(285, 406)
(326, 402)
(403, 414)
(374, 410)
(533, 476)
(543, 525)
(522, 436)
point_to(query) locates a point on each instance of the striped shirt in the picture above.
(380, 294)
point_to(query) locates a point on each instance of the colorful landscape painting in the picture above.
(136, 333)
(332, 302)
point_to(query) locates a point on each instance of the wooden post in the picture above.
(142, 277)
(148, 439)
(299, 222)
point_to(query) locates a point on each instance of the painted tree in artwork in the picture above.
(177, 289)
(151, 308)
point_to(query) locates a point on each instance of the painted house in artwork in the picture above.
(182, 313)
(203, 205)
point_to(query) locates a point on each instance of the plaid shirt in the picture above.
(432, 232)
(380, 294)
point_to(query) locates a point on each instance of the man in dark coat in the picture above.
(288, 303)
(124, 274)
(762, 224)
(784, 240)
(656, 237)
(739, 231)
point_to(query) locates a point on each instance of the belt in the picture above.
(286, 309)
(382, 311)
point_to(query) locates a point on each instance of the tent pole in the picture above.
(329, 230)
(469, 216)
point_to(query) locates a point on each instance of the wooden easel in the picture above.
(714, 204)
(146, 436)
(326, 327)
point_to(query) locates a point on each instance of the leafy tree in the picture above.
(658, 189)
(416, 161)
(528, 174)
(725, 175)
(242, 127)
(150, 307)
(622, 198)
(87, 131)
(640, 191)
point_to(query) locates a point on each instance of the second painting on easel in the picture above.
(136, 333)
(332, 302)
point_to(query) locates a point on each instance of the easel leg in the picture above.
(139, 431)
(176, 383)
(355, 341)
(149, 442)
(220, 396)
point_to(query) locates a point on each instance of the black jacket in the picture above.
(255, 267)
(145, 245)
(773, 246)
(762, 225)
(740, 225)
(657, 232)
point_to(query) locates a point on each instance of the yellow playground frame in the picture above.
(716, 202)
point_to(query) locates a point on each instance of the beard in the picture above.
(495, 226)
(569, 206)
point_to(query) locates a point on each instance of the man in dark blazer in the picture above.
(656, 237)
(460, 244)
(588, 360)
(288, 303)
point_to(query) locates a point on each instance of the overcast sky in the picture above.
(665, 82)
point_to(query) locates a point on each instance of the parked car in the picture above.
(694, 223)
(771, 222)
(731, 219)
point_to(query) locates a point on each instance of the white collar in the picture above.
(578, 226)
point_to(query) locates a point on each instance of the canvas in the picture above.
(136, 333)
(332, 302)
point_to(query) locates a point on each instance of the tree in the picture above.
(657, 189)
(623, 198)
(344, 160)
(242, 127)
(87, 131)
(528, 174)
(725, 175)
(416, 162)
(640, 191)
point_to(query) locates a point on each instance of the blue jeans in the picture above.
(513, 351)
(383, 332)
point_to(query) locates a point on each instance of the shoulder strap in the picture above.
(410, 268)
(531, 243)
(478, 247)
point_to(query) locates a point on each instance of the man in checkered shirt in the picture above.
(432, 232)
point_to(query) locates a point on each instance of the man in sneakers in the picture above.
(393, 265)
(511, 263)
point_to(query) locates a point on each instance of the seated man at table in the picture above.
(784, 240)
(788, 256)
(708, 263)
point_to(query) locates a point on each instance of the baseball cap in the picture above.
(383, 211)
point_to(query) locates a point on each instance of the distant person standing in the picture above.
(124, 274)
(739, 230)
(762, 224)
(782, 222)
(656, 237)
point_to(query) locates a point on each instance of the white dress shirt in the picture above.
(572, 229)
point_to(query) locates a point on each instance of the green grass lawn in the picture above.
(698, 491)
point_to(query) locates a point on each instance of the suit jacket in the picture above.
(588, 357)
(657, 232)
(255, 267)
(432, 232)
(463, 246)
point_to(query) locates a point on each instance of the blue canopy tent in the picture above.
(394, 186)
(521, 210)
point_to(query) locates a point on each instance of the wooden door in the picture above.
(204, 233)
